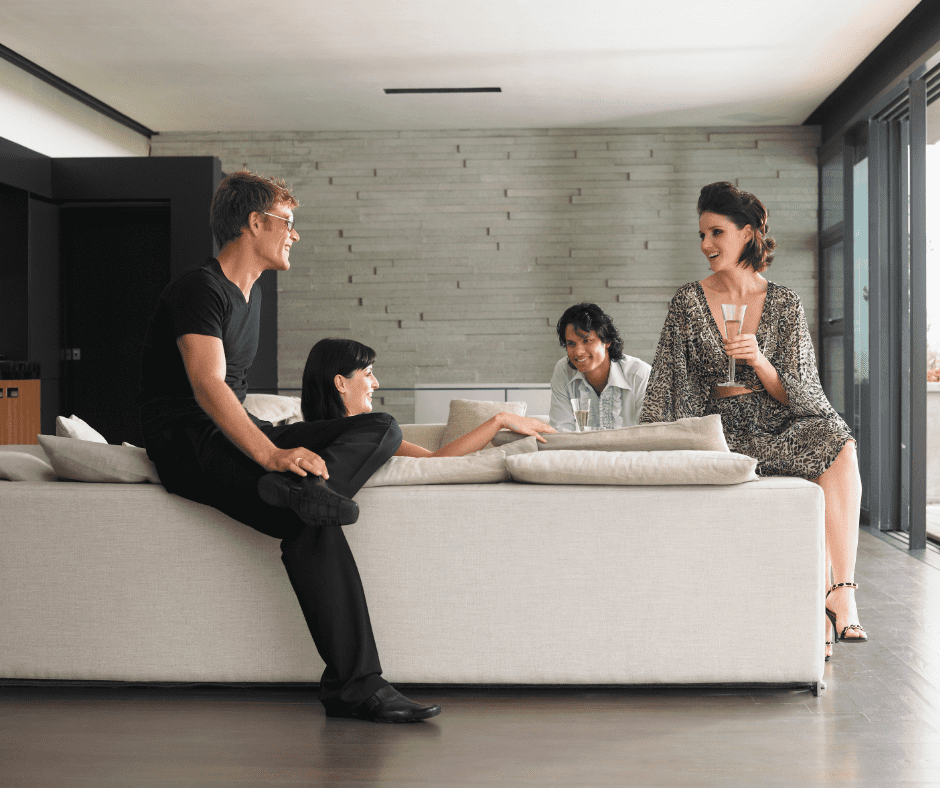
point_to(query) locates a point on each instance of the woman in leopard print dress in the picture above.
(779, 413)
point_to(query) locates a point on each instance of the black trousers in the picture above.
(200, 463)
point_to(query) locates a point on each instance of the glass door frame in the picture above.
(897, 241)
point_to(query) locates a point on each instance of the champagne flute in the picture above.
(580, 415)
(733, 315)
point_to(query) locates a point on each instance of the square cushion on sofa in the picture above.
(702, 433)
(632, 467)
(467, 414)
(90, 461)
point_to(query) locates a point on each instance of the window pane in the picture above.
(933, 322)
(833, 282)
(861, 427)
(833, 377)
(832, 191)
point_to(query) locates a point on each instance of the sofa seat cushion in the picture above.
(632, 467)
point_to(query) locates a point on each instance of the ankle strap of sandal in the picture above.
(841, 585)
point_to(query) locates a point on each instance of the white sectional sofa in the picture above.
(504, 583)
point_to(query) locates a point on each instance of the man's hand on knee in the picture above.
(300, 461)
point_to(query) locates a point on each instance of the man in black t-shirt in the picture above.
(293, 482)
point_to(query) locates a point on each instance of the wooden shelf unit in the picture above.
(19, 411)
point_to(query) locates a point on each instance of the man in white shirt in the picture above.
(596, 374)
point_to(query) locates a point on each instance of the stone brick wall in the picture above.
(453, 253)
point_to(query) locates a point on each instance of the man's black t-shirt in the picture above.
(198, 301)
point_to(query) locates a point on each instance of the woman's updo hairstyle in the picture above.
(319, 397)
(743, 209)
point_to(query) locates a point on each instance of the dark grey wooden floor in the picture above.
(878, 724)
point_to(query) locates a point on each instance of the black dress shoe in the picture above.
(389, 705)
(309, 497)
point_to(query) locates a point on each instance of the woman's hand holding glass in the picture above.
(744, 347)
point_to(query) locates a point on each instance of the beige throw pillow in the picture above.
(632, 467)
(482, 467)
(468, 414)
(21, 466)
(702, 433)
(74, 427)
(90, 461)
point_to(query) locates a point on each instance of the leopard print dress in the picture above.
(802, 438)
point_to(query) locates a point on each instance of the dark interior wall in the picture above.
(45, 314)
(34, 190)
(185, 183)
(14, 273)
(25, 169)
(117, 263)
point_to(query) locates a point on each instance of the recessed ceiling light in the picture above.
(443, 90)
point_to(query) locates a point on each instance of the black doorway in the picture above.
(115, 261)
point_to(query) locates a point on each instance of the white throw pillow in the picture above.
(87, 461)
(21, 466)
(468, 414)
(274, 408)
(482, 467)
(703, 433)
(632, 467)
(74, 427)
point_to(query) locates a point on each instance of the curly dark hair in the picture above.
(744, 209)
(590, 317)
(319, 397)
(238, 196)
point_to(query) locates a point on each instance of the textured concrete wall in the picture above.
(454, 253)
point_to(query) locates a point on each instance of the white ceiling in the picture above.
(254, 66)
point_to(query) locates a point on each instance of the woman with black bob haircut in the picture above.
(338, 382)
(777, 412)
(595, 374)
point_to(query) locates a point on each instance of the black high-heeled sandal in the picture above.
(832, 617)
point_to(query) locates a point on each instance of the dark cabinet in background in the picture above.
(116, 260)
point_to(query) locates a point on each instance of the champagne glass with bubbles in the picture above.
(733, 315)
(580, 415)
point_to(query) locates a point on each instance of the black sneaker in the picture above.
(308, 497)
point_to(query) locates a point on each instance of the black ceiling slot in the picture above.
(443, 90)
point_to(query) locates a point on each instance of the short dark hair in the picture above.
(744, 209)
(319, 397)
(590, 317)
(238, 196)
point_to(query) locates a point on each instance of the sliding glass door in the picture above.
(874, 251)
(932, 284)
